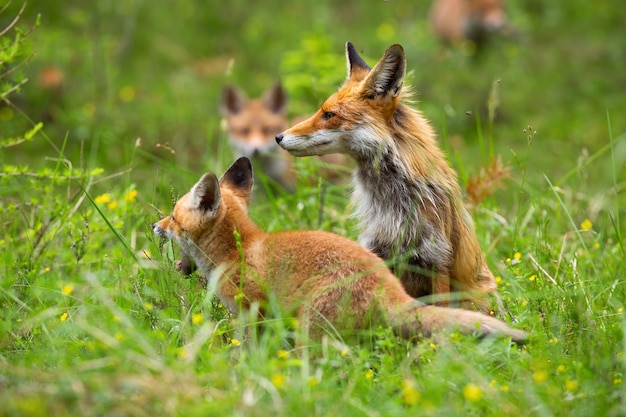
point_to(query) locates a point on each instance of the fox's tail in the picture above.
(428, 320)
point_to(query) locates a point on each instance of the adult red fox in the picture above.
(252, 125)
(475, 20)
(406, 196)
(320, 277)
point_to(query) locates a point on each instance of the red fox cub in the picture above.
(252, 126)
(320, 277)
(475, 20)
(406, 196)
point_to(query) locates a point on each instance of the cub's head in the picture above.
(355, 117)
(253, 124)
(198, 211)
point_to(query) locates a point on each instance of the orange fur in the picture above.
(406, 195)
(318, 276)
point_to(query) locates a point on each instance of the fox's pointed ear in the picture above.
(275, 98)
(357, 67)
(386, 78)
(239, 177)
(205, 195)
(232, 101)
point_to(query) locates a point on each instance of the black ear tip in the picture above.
(244, 161)
(396, 47)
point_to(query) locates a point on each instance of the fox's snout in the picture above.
(158, 230)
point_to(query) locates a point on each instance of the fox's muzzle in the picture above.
(279, 138)
(158, 230)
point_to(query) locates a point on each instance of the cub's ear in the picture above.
(239, 177)
(276, 99)
(205, 195)
(386, 78)
(233, 101)
(357, 67)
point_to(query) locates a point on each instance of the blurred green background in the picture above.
(154, 70)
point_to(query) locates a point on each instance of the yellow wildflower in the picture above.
(472, 392)
(571, 385)
(278, 380)
(282, 354)
(63, 316)
(586, 225)
(620, 309)
(197, 318)
(410, 395)
(112, 205)
(369, 374)
(181, 352)
(148, 306)
(517, 256)
(432, 345)
(385, 31)
(235, 342)
(313, 381)
(67, 289)
(532, 277)
(540, 376)
(103, 198)
(130, 196)
(126, 93)
(560, 369)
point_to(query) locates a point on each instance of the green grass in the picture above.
(94, 318)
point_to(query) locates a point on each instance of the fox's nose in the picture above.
(279, 138)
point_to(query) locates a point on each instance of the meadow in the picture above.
(110, 112)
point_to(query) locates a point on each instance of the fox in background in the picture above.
(322, 278)
(407, 200)
(252, 125)
(454, 21)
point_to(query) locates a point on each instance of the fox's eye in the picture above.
(327, 115)
(244, 132)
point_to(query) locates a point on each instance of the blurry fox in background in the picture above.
(252, 125)
(454, 21)
(406, 196)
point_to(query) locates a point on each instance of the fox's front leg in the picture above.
(185, 265)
